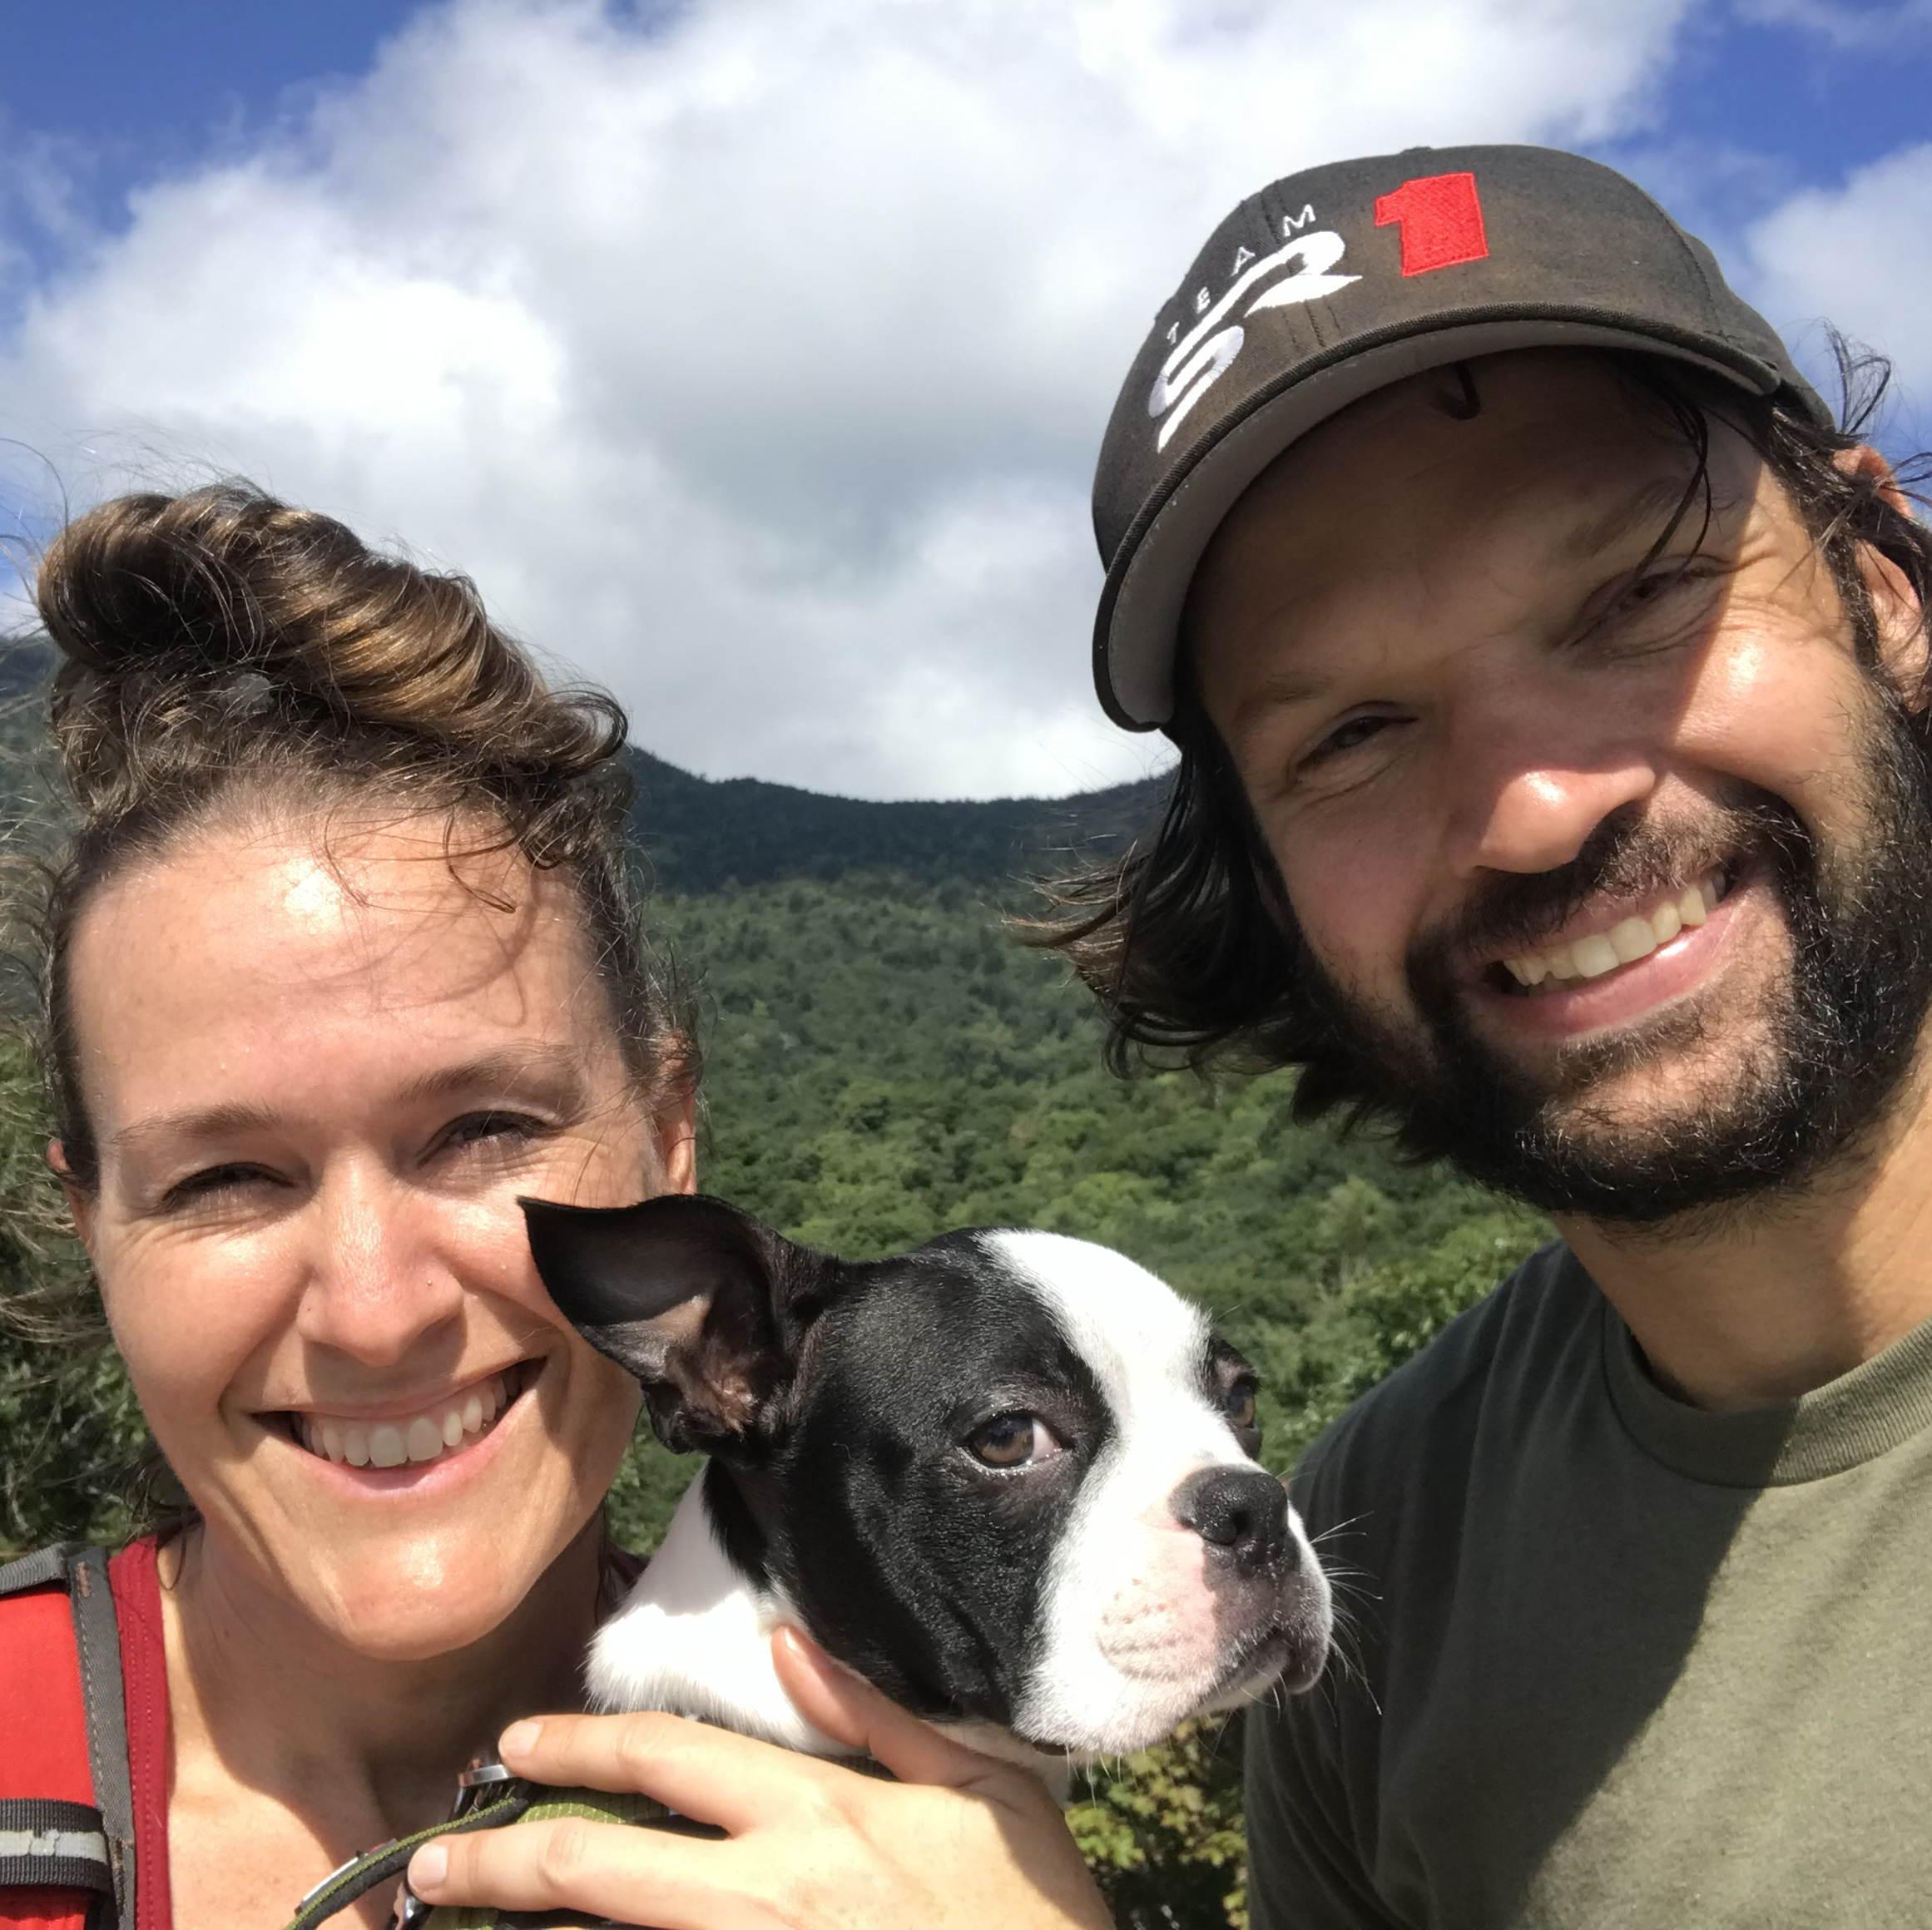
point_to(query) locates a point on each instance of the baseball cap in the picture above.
(1341, 279)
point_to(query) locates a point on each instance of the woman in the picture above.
(340, 964)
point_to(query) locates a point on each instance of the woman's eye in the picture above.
(197, 1189)
(491, 1129)
(1012, 1441)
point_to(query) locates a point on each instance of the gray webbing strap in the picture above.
(99, 1641)
(45, 1844)
(36, 1570)
(93, 1848)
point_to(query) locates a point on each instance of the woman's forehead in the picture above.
(277, 944)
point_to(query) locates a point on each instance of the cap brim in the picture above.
(1136, 634)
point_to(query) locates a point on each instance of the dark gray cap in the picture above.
(1336, 282)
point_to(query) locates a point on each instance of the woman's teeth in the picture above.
(424, 1437)
(1625, 942)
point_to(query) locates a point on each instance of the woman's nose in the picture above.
(375, 1285)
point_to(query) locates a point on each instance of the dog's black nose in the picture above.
(1242, 1515)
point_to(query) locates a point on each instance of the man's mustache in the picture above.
(1630, 854)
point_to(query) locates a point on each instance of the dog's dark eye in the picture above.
(1239, 1403)
(1012, 1441)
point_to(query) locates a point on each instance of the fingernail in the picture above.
(429, 1867)
(808, 1652)
(519, 1738)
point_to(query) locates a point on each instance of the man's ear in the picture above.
(1896, 604)
(705, 1306)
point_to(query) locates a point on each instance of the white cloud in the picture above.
(1859, 24)
(754, 359)
(1853, 256)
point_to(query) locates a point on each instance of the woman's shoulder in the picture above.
(75, 1704)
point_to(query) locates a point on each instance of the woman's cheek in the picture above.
(188, 1320)
(603, 1404)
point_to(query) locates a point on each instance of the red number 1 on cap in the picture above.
(1441, 221)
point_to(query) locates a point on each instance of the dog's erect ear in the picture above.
(706, 1305)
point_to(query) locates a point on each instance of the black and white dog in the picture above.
(1007, 1478)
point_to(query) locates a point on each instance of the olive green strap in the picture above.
(519, 1802)
(599, 1806)
(386, 1861)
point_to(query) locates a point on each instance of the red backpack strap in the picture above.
(66, 1803)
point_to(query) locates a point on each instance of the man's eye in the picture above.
(1647, 589)
(1654, 591)
(1350, 735)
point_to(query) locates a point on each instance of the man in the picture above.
(1549, 675)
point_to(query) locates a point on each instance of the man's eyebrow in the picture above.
(546, 1073)
(1654, 507)
(1281, 692)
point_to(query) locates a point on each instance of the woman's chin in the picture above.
(391, 1588)
(419, 1598)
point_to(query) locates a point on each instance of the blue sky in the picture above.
(752, 352)
(159, 81)
(133, 91)
(1803, 106)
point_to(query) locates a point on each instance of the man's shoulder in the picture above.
(1537, 1327)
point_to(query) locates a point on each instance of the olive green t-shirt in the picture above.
(1607, 1659)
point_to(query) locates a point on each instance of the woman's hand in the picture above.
(958, 1839)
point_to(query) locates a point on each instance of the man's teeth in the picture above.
(424, 1437)
(1628, 939)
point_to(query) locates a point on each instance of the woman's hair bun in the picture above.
(222, 629)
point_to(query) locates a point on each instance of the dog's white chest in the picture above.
(694, 1638)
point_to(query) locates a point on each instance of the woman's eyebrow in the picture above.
(195, 1122)
(549, 1074)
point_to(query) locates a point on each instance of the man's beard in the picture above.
(1838, 1033)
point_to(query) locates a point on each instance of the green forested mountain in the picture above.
(700, 834)
(884, 1061)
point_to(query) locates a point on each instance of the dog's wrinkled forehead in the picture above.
(985, 1307)
(735, 1333)
(916, 1335)
(1132, 1330)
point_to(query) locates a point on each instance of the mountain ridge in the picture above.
(704, 834)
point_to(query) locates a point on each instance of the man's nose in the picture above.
(375, 1286)
(1529, 787)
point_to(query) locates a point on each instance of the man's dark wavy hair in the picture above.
(1189, 941)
